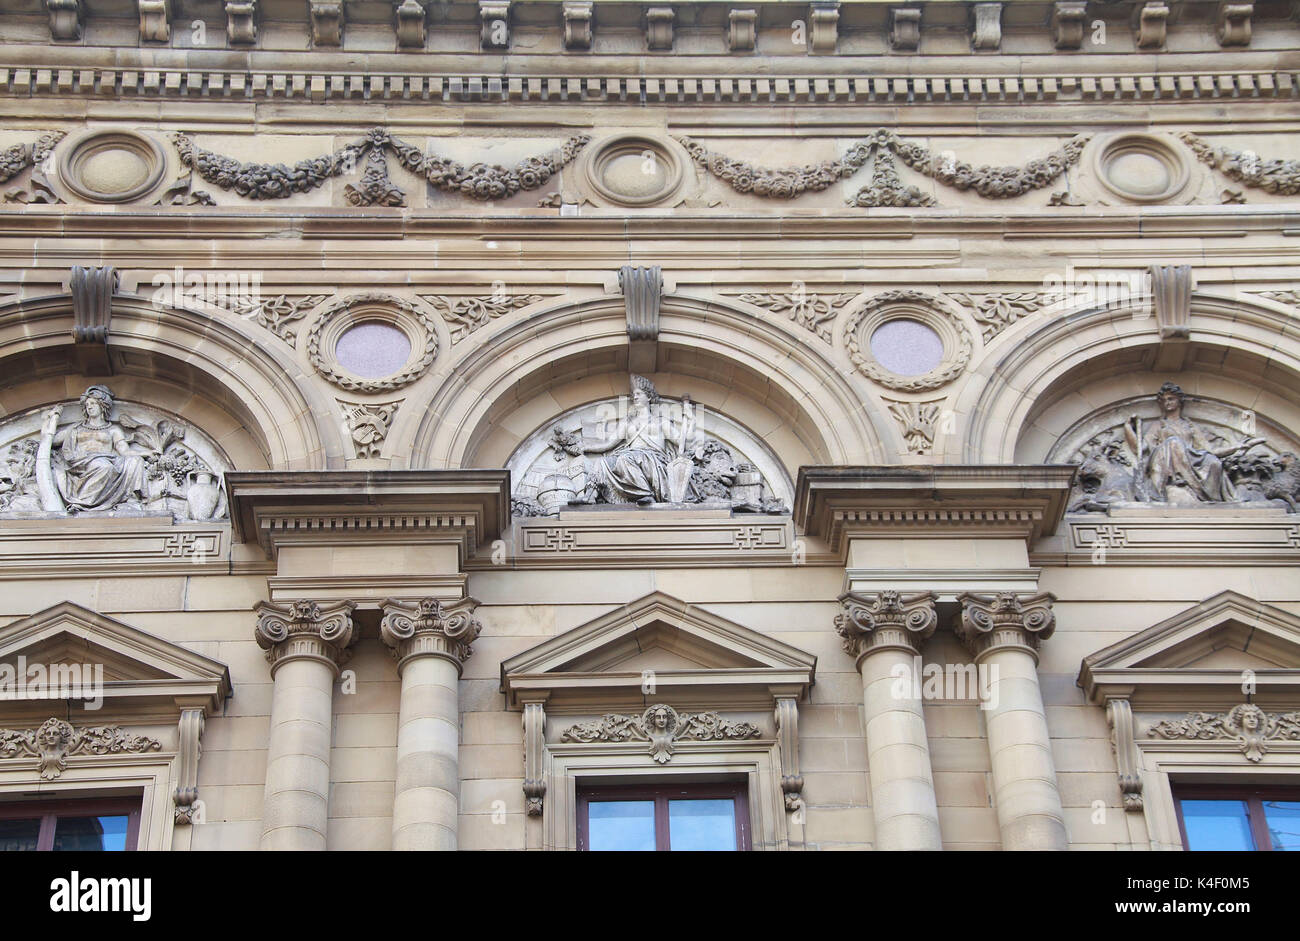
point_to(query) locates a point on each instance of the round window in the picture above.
(372, 350)
(907, 347)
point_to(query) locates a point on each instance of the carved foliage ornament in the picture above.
(888, 618)
(660, 725)
(277, 181)
(1248, 725)
(792, 182)
(56, 739)
(1005, 618)
(995, 312)
(1281, 177)
(279, 314)
(449, 631)
(305, 629)
(18, 157)
(815, 312)
(464, 315)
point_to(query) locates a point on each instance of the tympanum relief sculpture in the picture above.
(1170, 459)
(643, 450)
(105, 462)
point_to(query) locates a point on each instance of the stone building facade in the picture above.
(419, 420)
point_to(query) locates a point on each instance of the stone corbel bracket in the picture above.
(1151, 24)
(1234, 24)
(241, 22)
(155, 20)
(742, 30)
(186, 795)
(579, 24)
(534, 719)
(92, 292)
(642, 290)
(905, 29)
(1067, 24)
(823, 27)
(327, 18)
(986, 26)
(66, 17)
(787, 736)
(408, 20)
(1171, 289)
(494, 24)
(1119, 714)
(659, 29)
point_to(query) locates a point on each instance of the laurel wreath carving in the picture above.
(404, 311)
(920, 306)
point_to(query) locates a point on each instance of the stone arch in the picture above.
(782, 389)
(216, 373)
(1039, 385)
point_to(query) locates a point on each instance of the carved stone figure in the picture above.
(650, 452)
(1172, 460)
(106, 464)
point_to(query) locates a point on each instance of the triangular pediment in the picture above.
(679, 643)
(1209, 644)
(135, 665)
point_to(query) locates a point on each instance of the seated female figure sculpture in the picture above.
(648, 462)
(88, 465)
(1176, 463)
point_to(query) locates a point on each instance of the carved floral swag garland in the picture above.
(886, 189)
(276, 181)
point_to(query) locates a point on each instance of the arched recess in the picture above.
(1244, 351)
(235, 386)
(788, 394)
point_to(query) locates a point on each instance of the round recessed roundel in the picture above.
(112, 166)
(907, 340)
(372, 350)
(1141, 168)
(372, 343)
(907, 347)
(634, 170)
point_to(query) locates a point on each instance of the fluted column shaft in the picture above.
(305, 643)
(884, 631)
(430, 644)
(1003, 632)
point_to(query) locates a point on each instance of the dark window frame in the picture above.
(48, 813)
(661, 794)
(1253, 796)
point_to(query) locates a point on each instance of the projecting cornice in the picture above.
(278, 508)
(1003, 499)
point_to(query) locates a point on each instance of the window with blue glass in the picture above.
(111, 825)
(661, 817)
(1236, 818)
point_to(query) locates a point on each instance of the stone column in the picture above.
(1003, 632)
(305, 643)
(430, 643)
(884, 632)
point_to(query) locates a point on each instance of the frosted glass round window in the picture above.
(907, 347)
(372, 350)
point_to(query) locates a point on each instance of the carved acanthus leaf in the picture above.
(17, 158)
(1281, 177)
(813, 312)
(464, 315)
(56, 739)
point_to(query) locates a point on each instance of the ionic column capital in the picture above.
(427, 628)
(1005, 620)
(885, 620)
(305, 630)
